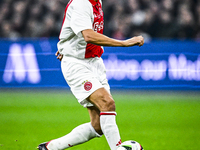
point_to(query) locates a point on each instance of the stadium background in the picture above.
(156, 87)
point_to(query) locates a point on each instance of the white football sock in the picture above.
(110, 129)
(78, 135)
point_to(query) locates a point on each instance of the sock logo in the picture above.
(119, 143)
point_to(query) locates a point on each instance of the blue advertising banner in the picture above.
(158, 64)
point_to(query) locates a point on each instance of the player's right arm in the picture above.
(93, 37)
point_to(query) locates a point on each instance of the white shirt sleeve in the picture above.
(81, 18)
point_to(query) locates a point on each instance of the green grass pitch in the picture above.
(157, 120)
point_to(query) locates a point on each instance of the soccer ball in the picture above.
(130, 145)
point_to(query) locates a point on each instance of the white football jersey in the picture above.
(80, 15)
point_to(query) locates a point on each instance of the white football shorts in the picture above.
(84, 76)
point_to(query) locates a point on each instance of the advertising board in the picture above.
(158, 64)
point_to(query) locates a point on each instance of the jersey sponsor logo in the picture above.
(88, 86)
(21, 65)
(99, 14)
(100, 11)
(98, 24)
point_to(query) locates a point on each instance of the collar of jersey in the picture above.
(94, 2)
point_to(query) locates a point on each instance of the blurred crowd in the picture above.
(153, 18)
(31, 18)
(168, 19)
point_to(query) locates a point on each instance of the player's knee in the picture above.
(107, 104)
(110, 105)
(104, 101)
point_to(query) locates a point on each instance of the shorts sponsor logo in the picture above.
(88, 86)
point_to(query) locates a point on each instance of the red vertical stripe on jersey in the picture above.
(98, 25)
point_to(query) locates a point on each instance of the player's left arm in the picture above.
(93, 37)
